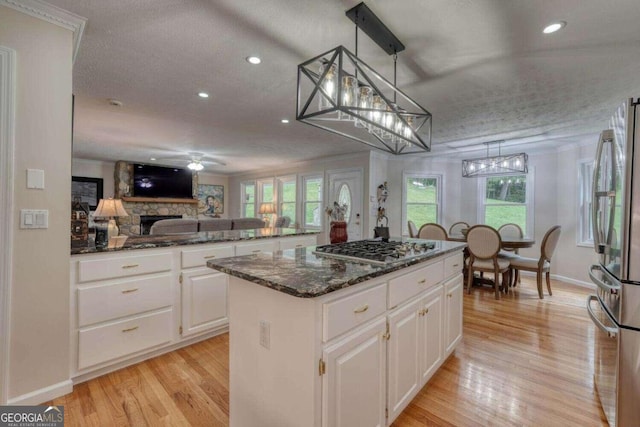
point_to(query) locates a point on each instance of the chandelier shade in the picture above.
(340, 93)
(495, 165)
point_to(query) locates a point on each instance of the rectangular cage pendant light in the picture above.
(340, 93)
(495, 165)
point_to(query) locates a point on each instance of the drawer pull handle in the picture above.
(130, 266)
(298, 246)
(256, 251)
(456, 265)
(362, 309)
(450, 295)
(130, 329)
(209, 256)
(423, 311)
(423, 281)
(128, 291)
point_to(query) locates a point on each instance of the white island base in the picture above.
(352, 357)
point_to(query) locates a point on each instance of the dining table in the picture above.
(509, 243)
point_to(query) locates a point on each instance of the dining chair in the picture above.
(542, 264)
(432, 231)
(483, 243)
(510, 230)
(413, 230)
(457, 227)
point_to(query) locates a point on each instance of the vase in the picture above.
(338, 232)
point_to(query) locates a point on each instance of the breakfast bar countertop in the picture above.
(166, 240)
(301, 273)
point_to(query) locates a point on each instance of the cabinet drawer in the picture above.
(453, 265)
(411, 284)
(112, 268)
(297, 242)
(199, 257)
(103, 343)
(344, 314)
(124, 298)
(255, 248)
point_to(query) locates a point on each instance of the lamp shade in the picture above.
(108, 208)
(267, 208)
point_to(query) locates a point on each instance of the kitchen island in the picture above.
(316, 341)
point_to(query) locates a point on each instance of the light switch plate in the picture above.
(35, 179)
(34, 218)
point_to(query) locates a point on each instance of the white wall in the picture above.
(39, 342)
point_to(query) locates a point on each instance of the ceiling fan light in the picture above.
(195, 166)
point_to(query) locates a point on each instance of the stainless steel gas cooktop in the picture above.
(376, 251)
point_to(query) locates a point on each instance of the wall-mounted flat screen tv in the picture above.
(160, 181)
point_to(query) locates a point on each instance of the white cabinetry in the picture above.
(297, 242)
(355, 374)
(203, 291)
(124, 306)
(256, 246)
(453, 313)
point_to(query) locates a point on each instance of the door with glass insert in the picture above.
(345, 187)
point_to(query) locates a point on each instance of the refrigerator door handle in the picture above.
(595, 200)
(611, 332)
(602, 285)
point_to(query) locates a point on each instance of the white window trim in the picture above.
(580, 218)
(440, 179)
(279, 192)
(529, 203)
(243, 194)
(303, 198)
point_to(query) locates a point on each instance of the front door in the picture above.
(345, 187)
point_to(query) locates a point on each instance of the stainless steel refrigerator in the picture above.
(615, 308)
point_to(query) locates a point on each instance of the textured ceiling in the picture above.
(483, 68)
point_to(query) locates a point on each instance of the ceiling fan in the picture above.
(194, 160)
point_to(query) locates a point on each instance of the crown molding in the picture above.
(52, 14)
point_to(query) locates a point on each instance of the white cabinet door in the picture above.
(403, 357)
(204, 301)
(354, 386)
(453, 313)
(297, 242)
(256, 247)
(431, 333)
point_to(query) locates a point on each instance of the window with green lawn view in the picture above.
(422, 199)
(287, 197)
(312, 201)
(248, 190)
(505, 201)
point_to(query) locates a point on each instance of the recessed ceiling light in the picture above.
(203, 94)
(285, 121)
(552, 28)
(253, 60)
(153, 159)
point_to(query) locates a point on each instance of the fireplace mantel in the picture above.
(159, 200)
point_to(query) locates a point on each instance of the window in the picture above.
(248, 194)
(422, 195)
(312, 201)
(585, 183)
(507, 199)
(287, 197)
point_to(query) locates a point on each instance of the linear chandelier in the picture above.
(495, 165)
(341, 94)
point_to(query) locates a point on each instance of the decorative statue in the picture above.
(382, 193)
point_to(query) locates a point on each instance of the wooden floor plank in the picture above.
(522, 362)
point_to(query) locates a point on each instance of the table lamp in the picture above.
(108, 208)
(266, 209)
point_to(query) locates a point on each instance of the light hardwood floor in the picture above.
(522, 361)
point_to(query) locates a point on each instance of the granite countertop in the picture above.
(162, 241)
(300, 273)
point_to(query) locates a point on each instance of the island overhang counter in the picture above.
(317, 341)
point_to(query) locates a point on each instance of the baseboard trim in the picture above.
(565, 279)
(44, 394)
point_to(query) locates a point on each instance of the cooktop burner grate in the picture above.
(375, 251)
